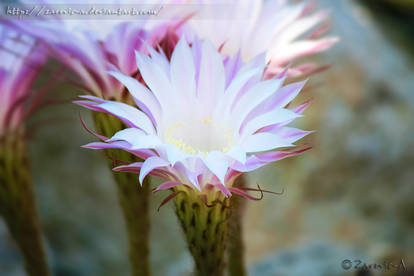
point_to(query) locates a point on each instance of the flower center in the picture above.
(199, 136)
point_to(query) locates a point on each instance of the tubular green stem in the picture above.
(133, 198)
(18, 204)
(205, 230)
(235, 246)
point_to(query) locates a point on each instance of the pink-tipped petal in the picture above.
(223, 189)
(129, 115)
(151, 164)
(144, 99)
(166, 186)
(216, 162)
(263, 142)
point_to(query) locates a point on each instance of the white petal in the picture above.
(263, 142)
(257, 62)
(174, 154)
(217, 163)
(290, 134)
(275, 116)
(233, 91)
(160, 59)
(142, 96)
(211, 80)
(151, 164)
(183, 70)
(280, 99)
(130, 114)
(252, 98)
(154, 77)
(137, 138)
(237, 153)
(300, 26)
(191, 176)
(126, 134)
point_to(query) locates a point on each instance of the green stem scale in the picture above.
(17, 202)
(134, 198)
(205, 228)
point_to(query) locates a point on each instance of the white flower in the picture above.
(201, 121)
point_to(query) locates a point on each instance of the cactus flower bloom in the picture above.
(202, 120)
(90, 56)
(285, 31)
(91, 47)
(21, 60)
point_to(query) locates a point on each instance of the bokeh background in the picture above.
(350, 197)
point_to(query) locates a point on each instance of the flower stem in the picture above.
(205, 230)
(134, 199)
(17, 202)
(235, 250)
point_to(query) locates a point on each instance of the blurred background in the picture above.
(350, 198)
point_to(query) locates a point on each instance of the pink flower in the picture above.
(92, 47)
(21, 59)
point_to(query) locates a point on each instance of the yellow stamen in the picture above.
(179, 143)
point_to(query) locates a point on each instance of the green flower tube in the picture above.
(205, 228)
(134, 199)
(235, 245)
(18, 204)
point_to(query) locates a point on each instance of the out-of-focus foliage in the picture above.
(396, 19)
(400, 4)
